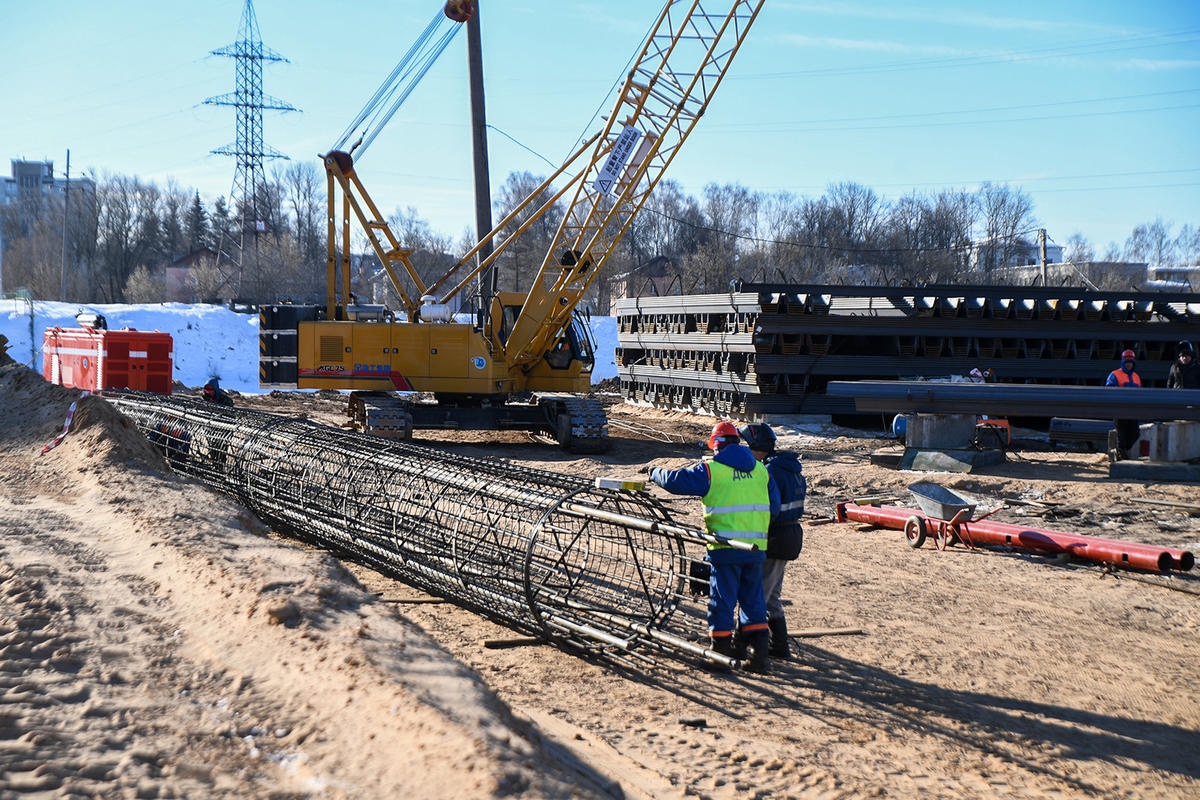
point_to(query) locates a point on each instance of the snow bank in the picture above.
(209, 340)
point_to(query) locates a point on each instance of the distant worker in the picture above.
(1127, 429)
(213, 393)
(1185, 372)
(785, 538)
(739, 500)
(1124, 375)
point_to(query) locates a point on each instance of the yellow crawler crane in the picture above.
(523, 361)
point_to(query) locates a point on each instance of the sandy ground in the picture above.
(157, 641)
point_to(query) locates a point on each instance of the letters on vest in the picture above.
(737, 505)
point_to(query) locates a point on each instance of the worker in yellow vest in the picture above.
(739, 500)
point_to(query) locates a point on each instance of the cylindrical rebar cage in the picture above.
(544, 552)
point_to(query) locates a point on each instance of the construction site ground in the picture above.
(157, 641)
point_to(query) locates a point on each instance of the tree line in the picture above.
(121, 238)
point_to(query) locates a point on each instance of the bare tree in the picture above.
(145, 286)
(1078, 250)
(1187, 246)
(304, 193)
(523, 258)
(1007, 214)
(1151, 242)
(207, 280)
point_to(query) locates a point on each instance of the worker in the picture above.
(739, 500)
(785, 537)
(1185, 372)
(213, 393)
(1127, 429)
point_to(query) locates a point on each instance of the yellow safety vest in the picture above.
(738, 504)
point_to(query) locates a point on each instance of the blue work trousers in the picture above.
(731, 585)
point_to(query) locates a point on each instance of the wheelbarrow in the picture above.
(946, 513)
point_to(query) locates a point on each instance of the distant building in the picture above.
(31, 178)
(989, 254)
(1104, 274)
(1173, 279)
(179, 287)
(652, 278)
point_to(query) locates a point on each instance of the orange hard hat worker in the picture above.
(1128, 355)
(723, 433)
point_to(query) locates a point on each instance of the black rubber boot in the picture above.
(760, 643)
(739, 643)
(780, 646)
(722, 645)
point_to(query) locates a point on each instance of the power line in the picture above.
(924, 114)
(1085, 47)
(799, 127)
(1023, 180)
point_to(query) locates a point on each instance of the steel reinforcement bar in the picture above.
(546, 553)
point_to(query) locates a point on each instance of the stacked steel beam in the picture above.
(546, 553)
(769, 348)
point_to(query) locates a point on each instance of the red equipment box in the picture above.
(93, 359)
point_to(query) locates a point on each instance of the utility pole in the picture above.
(483, 191)
(1042, 252)
(66, 217)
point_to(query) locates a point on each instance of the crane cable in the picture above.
(400, 83)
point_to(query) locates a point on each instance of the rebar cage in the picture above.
(543, 552)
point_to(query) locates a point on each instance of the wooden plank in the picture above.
(812, 633)
(1191, 508)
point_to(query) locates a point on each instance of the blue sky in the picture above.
(1093, 108)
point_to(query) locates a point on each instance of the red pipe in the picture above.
(1088, 548)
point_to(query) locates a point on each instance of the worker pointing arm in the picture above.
(739, 498)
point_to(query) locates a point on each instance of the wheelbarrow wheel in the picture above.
(945, 536)
(915, 531)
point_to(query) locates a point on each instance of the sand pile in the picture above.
(155, 641)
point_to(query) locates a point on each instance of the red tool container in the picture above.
(94, 358)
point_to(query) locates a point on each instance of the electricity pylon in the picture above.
(249, 179)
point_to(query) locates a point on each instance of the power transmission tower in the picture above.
(249, 179)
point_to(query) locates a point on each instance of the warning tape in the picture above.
(66, 426)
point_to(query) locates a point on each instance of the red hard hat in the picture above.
(1129, 355)
(722, 433)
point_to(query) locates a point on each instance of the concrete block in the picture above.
(1154, 471)
(1172, 441)
(939, 431)
(949, 460)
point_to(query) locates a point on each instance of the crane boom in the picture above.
(521, 361)
(682, 63)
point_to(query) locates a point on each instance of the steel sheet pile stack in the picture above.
(769, 348)
(544, 552)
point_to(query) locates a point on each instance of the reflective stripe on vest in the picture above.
(792, 506)
(733, 507)
(1125, 379)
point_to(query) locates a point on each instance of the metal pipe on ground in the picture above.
(1003, 534)
(546, 553)
(1012, 399)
